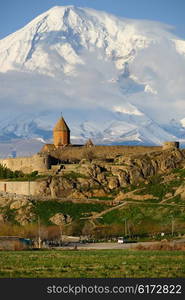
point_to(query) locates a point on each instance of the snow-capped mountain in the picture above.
(115, 80)
(52, 43)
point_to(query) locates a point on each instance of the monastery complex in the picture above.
(51, 156)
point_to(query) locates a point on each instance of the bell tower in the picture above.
(61, 133)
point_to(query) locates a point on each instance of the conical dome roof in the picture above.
(61, 125)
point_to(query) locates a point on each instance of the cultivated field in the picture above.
(92, 263)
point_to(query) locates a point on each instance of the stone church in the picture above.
(61, 137)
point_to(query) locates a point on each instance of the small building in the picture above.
(14, 243)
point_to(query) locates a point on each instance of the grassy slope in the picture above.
(100, 263)
(149, 212)
(47, 209)
(153, 212)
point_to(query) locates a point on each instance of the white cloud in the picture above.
(130, 110)
(162, 68)
(91, 87)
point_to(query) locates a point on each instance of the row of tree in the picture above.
(54, 232)
(6, 173)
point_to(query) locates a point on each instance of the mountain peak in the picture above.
(60, 10)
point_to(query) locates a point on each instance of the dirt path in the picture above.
(99, 215)
(134, 196)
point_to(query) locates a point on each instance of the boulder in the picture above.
(60, 219)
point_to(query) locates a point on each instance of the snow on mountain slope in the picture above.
(116, 80)
(53, 40)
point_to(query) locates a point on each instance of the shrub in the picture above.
(6, 173)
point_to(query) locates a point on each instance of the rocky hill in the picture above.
(146, 189)
(101, 178)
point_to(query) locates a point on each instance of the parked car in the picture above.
(121, 240)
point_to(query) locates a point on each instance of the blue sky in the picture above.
(14, 14)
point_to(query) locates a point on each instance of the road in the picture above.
(101, 246)
(109, 246)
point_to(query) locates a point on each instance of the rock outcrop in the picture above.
(139, 167)
(60, 219)
(19, 207)
(106, 177)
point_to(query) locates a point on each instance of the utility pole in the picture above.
(39, 235)
(28, 187)
(125, 221)
(60, 226)
(173, 226)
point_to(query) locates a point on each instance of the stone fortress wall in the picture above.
(37, 162)
(102, 152)
(42, 162)
(20, 187)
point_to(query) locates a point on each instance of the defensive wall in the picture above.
(38, 162)
(108, 152)
(44, 161)
(20, 187)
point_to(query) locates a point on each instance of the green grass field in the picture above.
(92, 263)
